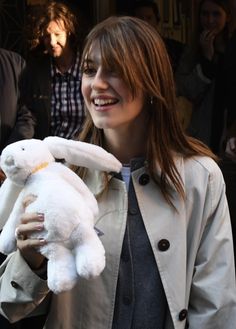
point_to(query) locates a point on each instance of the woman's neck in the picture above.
(126, 146)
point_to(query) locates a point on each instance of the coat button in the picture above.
(14, 284)
(144, 179)
(183, 314)
(132, 211)
(163, 245)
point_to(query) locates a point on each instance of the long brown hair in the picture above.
(137, 53)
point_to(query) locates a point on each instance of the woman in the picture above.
(165, 222)
(201, 65)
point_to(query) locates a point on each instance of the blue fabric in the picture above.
(140, 298)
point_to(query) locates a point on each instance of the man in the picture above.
(149, 12)
(52, 78)
(16, 122)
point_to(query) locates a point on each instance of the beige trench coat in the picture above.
(197, 270)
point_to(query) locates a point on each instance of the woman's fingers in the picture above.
(26, 242)
(32, 217)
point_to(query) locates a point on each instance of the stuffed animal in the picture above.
(73, 247)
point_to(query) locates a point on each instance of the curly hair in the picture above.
(53, 11)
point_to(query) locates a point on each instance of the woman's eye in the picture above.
(89, 70)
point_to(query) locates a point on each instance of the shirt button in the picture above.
(144, 179)
(132, 211)
(127, 300)
(183, 314)
(163, 245)
(14, 284)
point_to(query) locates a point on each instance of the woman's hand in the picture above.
(207, 38)
(30, 222)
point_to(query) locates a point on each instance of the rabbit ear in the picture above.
(8, 194)
(82, 154)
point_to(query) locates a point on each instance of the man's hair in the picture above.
(54, 11)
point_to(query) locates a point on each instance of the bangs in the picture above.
(116, 56)
(133, 50)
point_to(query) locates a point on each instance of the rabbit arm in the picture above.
(7, 237)
(82, 154)
(8, 194)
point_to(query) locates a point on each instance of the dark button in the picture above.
(137, 165)
(144, 179)
(132, 211)
(183, 314)
(14, 284)
(163, 245)
(127, 300)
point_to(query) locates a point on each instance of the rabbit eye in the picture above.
(23, 148)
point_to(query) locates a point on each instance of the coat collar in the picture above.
(95, 179)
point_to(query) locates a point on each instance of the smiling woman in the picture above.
(156, 203)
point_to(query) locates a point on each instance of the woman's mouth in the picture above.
(104, 101)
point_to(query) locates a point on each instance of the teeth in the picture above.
(98, 101)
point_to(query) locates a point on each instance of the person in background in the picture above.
(52, 79)
(166, 230)
(15, 122)
(149, 12)
(228, 133)
(201, 65)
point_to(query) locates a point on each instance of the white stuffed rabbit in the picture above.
(69, 207)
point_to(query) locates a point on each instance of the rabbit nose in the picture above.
(9, 160)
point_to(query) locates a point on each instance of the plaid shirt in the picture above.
(67, 112)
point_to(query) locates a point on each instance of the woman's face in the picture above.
(212, 17)
(107, 97)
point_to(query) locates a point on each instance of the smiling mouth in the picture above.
(104, 102)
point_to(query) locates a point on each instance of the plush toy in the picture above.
(73, 247)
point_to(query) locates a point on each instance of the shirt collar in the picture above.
(73, 70)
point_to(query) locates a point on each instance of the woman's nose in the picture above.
(100, 80)
(210, 19)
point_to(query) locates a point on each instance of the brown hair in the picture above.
(54, 11)
(136, 51)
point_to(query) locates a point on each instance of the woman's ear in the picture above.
(82, 154)
(9, 192)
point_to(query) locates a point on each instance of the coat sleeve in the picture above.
(22, 292)
(213, 294)
(24, 126)
(25, 121)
